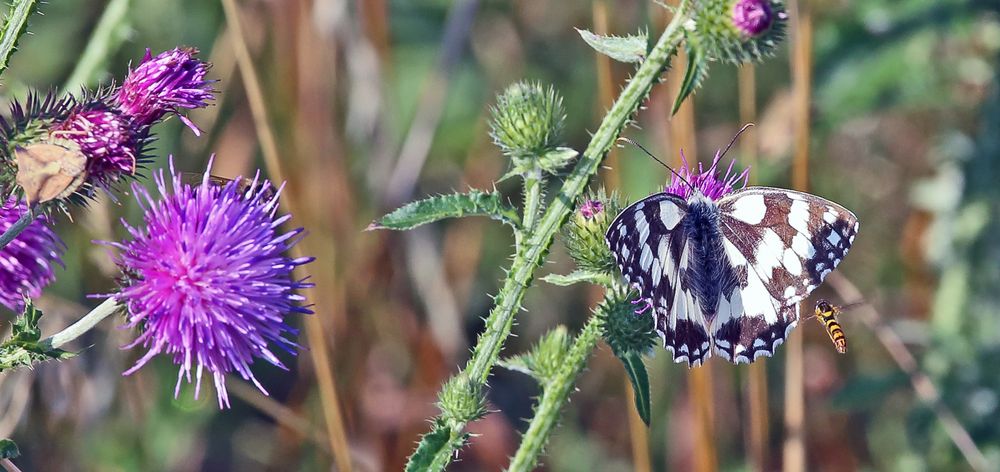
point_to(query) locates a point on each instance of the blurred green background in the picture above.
(377, 102)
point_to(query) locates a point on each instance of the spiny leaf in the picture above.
(8, 450)
(15, 24)
(697, 70)
(578, 276)
(636, 371)
(631, 48)
(24, 348)
(429, 210)
(428, 455)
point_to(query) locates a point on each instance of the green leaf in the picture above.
(578, 276)
(556, 159)
(631, 48)
(14, 26)
(8, 450)
(428, 455)
(24, 348)
(636, 371)
(697, 71)
(429, 210)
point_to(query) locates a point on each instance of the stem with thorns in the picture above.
(538, 240)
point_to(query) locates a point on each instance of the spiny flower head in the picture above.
(26, 263)
(106, 138)
(165, 84)
(710, 182)
(206, 278)
(584, 232)
(527, 121)
(735, 31)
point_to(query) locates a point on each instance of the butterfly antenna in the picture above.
(731, 143)
(671, 169)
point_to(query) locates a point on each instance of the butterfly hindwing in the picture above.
(652, 251)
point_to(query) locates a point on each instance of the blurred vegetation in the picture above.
(906, 134)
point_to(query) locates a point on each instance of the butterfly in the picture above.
(726, 275)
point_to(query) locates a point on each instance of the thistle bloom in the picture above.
(112, 146)
(207, 281)
(708, 181)
(591, 208)
(26, 263)
(164, 84)
(752, 17)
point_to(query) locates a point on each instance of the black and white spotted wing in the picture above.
(727, 276)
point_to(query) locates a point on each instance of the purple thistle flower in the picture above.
(752, 17)
(26, 263)
(207, 279)
(164, 84)
(591, 208)
(707, 181)
(107, 139)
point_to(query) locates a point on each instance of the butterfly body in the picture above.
(725, 276)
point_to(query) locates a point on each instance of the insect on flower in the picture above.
(724, 269)
(243, 184)
(49, 171)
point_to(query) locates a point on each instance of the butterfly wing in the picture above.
(652, 252)
(786, 243)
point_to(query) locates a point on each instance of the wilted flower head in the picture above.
(26, 262)
(709, 181)
(207, 280)
(110, 143)
(164, 84)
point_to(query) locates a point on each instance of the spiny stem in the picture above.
(16, 24)
(85, 324)
(17, 228)
(536, 244)
(555, 394)
(533, 182)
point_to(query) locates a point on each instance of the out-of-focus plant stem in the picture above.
(109, 34)
(536, 244)
(18, 227)
(555, 393)
(319, 350)
(794, 453)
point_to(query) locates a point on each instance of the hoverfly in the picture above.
(826, 314)
(245, 185)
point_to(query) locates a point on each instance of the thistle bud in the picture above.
(527, 121)
(462, 400)
(584, 233)
(736, 31)
(626, 329)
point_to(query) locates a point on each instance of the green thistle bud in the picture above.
(736, 31)
(545, 359)
(584, 233)
(625, 330)
(527, 121)
(461, 400)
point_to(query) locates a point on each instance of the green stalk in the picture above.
(533, 182)
(15, 25)
(17, 228)
(537, 242)
(554, 396)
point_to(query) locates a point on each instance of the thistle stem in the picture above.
(75, 330)
(17, 228)
(15, 26)
(537, 243)
(533, 182)
(555, 394)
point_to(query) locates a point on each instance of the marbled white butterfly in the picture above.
(724, 270)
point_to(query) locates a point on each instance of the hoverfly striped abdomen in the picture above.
(827, 313)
